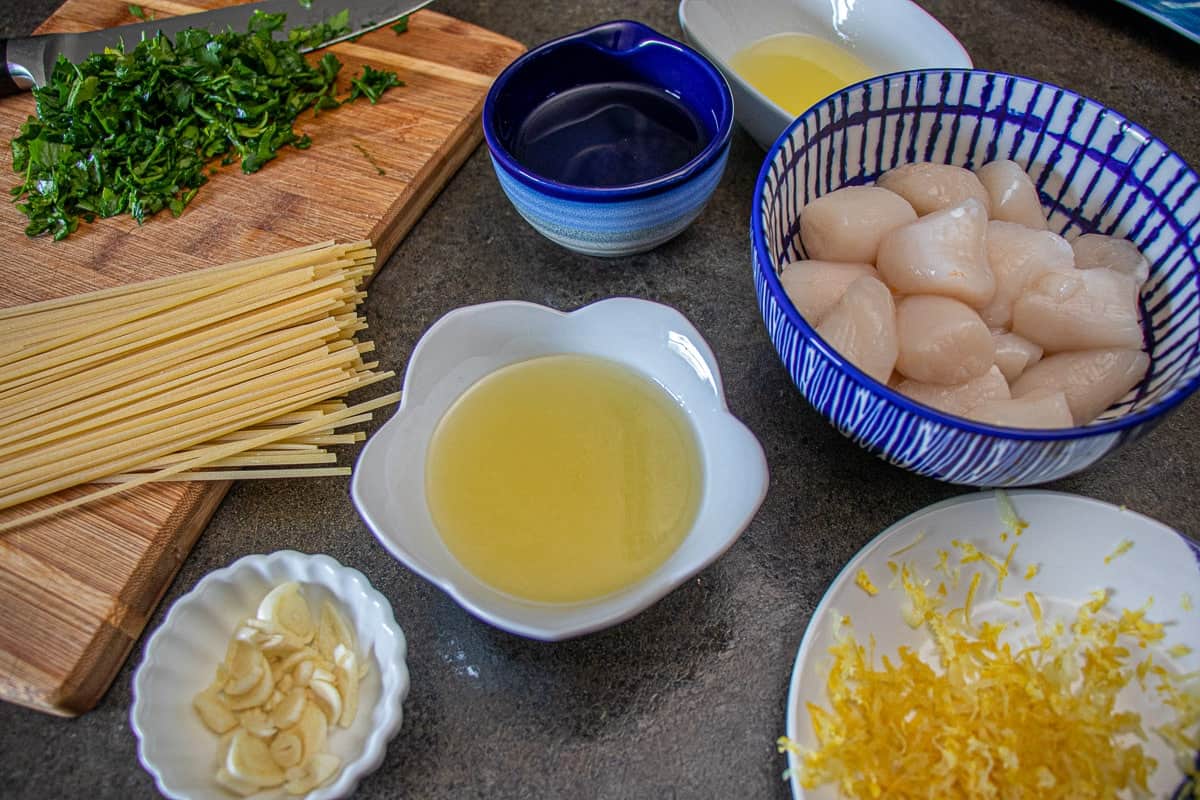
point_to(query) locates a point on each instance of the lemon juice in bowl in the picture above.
(795, 70)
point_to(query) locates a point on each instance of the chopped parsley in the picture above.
(372, 83)
(367, 155)
(137, 132)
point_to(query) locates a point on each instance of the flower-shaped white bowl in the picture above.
(465, 345)
(181, 659)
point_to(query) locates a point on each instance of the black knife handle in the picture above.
(7, 84)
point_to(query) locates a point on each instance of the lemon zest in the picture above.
(988, 721)
(1121, 549)
(863, 581)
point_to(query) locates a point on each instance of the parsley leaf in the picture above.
(138, 132)
(372, 83)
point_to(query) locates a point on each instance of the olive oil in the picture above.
(796, 70)
(564, 478)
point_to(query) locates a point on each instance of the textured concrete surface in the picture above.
(687, 699)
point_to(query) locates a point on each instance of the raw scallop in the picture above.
(1013, 196)
(1042, 408)
(934, 187)
(862, 328)
(1082, 310)
(1015, 354)
(814, 287)
(847, 224)
(1019, 257)
(942, 340)
(942, 253)
(1092, 380)
(1121, 255)
(958, 399)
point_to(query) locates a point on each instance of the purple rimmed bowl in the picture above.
(1095, 171)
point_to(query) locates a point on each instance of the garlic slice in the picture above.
(287, 677)
(285, 606)
(250, 760)
(315, 772)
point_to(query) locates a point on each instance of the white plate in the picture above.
(181, 658)
(1068, 538)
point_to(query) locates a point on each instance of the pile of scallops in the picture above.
(946, 285)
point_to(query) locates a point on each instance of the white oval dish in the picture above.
(462, 347)
(1069, 538)
(181, 658)
(888, 35)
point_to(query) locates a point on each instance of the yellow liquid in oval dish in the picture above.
(796, 70)
(563, 479)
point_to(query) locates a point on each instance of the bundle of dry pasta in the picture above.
(230, 372)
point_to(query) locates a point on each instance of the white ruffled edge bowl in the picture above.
(181, 658)
(462, 347)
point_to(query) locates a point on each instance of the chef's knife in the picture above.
(29, 61)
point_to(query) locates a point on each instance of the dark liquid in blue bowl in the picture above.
(608, 134)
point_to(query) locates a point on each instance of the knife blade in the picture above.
(29, 60)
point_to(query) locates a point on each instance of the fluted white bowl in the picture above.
(469, 343)
(181, 658)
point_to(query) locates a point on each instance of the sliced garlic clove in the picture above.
(235, 785)
(223, 745)
(328, 699)
(273, 638)
(332, 631)
(303, 673)
(347, 679)
(312, 729)
(322, 767)
(287, 712)
(256, 721)
(315, 772)
(286, 607)
(245, 664)
(289, 662)
(287, 750)
(283, 683)
(213, 712)
(256, 696)
(250, 760)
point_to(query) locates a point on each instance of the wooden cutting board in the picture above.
(77, 589)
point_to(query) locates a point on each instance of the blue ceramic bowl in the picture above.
(605, 191)
(1095, 171)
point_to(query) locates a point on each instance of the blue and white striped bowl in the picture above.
(1095, 171)
(610, 220)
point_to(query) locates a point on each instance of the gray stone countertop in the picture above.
(686, 699)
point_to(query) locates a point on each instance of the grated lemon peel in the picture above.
(863, 581)
(1121, 549)
(989, 720)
